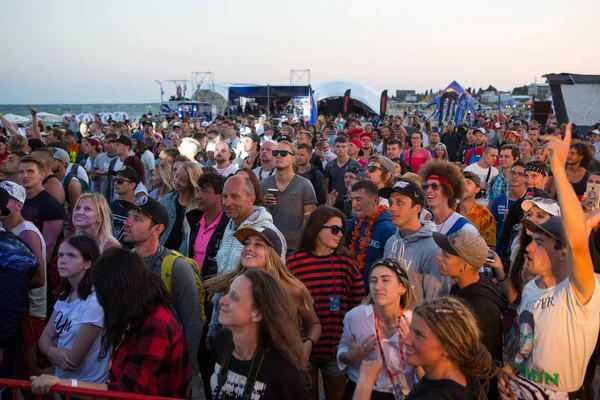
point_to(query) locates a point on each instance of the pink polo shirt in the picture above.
(204, 235)
(417, 159)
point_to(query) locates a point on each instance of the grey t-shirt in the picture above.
(102, 161)
(288, 213)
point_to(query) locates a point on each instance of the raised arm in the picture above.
(579, 260)
(35, 129)
(9, 126)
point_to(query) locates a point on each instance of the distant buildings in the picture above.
(539, 90)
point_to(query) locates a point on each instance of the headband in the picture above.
(535, 168)
(439, 178)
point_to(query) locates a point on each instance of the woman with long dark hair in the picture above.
(259, 354)
(71, 339)
(141, 334)
(325, 266)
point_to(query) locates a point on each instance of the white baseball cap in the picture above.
(14, 190)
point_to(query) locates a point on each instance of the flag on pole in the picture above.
(161, 88)
(312, 118)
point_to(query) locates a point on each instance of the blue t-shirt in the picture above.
(499, 210)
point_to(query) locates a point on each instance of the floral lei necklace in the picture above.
(358, 246)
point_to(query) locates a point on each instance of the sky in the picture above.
(112, 51)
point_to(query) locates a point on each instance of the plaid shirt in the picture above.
(154, 360)
(498, 186)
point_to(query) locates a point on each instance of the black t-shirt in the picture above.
(444, 389)
(277, 379)
(119, 216)
(336, 178)
(41, 208)
(176, 236)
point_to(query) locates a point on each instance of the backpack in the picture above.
(166, 274)
(85, 187)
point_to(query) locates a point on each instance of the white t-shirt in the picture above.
(563, 334)
(68, 321)
(232, 169)
(37, 296)
(148, 161)
(262, 174)
(482, 173)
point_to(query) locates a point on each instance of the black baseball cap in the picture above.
(252, 136)
(150, 207)
(553, 228)
(286, 138)
(128, 172)
(407, 188)
(123, 140)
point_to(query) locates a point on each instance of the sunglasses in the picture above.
(120, 181)
(519, 174)
(335, 229)
(433, 185)
(372, 168)
(282, 153)
(542, 200)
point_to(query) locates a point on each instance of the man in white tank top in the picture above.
(33, 324)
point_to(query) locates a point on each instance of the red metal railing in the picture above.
(69, 391)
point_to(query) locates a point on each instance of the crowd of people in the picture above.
(355, 258)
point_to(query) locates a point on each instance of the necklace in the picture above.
(359, 245)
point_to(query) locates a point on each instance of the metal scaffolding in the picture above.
(299, 77)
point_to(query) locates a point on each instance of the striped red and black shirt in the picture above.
(324, 277)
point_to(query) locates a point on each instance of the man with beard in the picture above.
(476, 152)
(452, 141)
(295, 197)
(9, 169)
(366, 139)
(434, 140)
(223, 157)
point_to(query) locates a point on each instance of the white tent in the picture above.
(361, 92)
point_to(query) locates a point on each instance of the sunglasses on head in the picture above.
(433, 185)
(372, 168)
(335, 229)
(120, 181)
(542, 200)
(282, 153)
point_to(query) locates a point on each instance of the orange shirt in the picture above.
(484, 221)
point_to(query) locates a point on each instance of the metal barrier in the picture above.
(68, 391)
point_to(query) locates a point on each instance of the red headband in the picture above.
(440, 179)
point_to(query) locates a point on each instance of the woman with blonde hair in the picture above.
(376, 330)
(178, 203)
(440, 152)
(92, 217)
(444, 340)
(262, 251)
(162, 176)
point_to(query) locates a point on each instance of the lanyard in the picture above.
(401, 347)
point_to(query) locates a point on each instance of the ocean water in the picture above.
(134, 111)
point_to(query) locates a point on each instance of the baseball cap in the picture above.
(35, 143)
(253, 136)
(553, 228)
(173, 135)
(4, 211)
(61, 155)
(123, 140)
(407, 188)
(358, 144)
(138, 136)
(285, 138)
(354, 133)
(435, 129)
(267, 234)
(386, 163)
(128, 172)
(150, 207)
(465, 243)
(482, 130)
(548, 205)
(594, 132)
(366, 134)
(94, 142)
(268, 128)
(14, 190)
(473, 177)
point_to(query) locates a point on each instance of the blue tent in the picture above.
(453, 104)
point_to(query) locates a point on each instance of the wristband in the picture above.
(310, 340)
(73, 382)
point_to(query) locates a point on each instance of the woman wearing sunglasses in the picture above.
(444, 341)
(376, 330)
(324, 264)
(443, 183)
(262, 250)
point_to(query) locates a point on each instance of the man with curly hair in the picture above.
(443, 183)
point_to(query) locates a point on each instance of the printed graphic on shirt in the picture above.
(233, 388)
(62, 324)
(119, 226)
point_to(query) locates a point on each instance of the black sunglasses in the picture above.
(373, 168)
(335, 229)
(282, 153)
(434, 186)
(120, 181)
